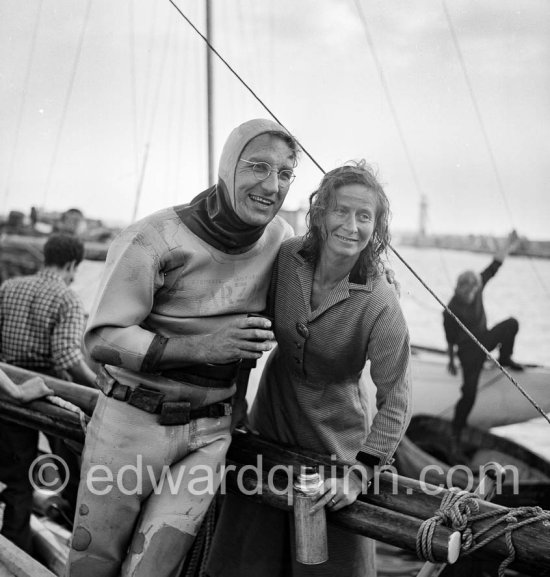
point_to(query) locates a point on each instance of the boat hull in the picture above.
(424, 454)
(498, 402)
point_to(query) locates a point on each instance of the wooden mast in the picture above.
(209, 98)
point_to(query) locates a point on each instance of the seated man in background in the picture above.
(72, 222)
(13, 468)
(41, 327)
(467, 305)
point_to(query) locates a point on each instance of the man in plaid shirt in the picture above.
(41, 327)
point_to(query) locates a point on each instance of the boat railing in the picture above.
(392, 513)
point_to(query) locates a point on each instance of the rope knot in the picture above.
(457, 507)
(455, 511)
(460, 510)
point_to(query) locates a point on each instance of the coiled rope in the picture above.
(460, 510)
(455, 510)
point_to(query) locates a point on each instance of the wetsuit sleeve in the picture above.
(115, 334)
(490, 271)
(389, 352)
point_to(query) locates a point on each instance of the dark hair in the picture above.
(61, 249)
(75, 211)
(324, 199)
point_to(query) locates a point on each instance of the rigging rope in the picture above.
(386, 88)
(22, 106)
(445, 307)
(156, 100)
(172, 131)
(393, 111)
(67, 100)
(131, 37)
(469, 333)
(485, 134)
(510, 517)
(477, 111)
(182, 120)
(149, 85)
(244, 36)
(243, 82)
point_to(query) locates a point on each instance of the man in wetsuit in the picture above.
(170, 328)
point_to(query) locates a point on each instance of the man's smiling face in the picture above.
(258, 201)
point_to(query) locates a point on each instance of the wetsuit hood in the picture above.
(211, 215)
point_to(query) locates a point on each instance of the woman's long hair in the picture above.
(324, 199)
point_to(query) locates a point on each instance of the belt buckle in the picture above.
(146, 399)
(120, 392)
(105, 381)
(175, 413)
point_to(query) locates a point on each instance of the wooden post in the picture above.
(83, 397)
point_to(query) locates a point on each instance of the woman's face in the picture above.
(350, 223)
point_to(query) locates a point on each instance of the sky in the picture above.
(448, 100)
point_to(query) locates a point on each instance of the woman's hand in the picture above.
(338, 493)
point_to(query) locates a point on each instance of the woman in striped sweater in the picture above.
(333, 310)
